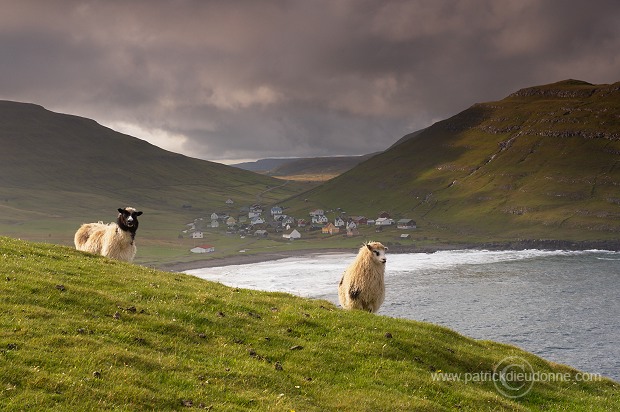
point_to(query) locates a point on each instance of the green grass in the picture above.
(81, 332)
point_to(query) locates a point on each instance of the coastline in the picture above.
(242, 259)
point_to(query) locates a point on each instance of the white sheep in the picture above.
(362, 285)
(114, 240)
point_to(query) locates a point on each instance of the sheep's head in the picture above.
(377, 251)
(128, 219)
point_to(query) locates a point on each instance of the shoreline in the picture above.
(242, 259)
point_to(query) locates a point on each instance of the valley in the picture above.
(539, 167)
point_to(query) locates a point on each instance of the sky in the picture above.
(235, 80)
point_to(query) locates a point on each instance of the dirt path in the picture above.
(259, 197)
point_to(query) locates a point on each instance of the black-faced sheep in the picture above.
(114, 240)
(362, 285)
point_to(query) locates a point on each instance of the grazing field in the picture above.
(81, 332)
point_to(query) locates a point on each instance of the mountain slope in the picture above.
(311, 168)
(42, 149)
(541, 163)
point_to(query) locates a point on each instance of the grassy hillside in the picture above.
(80, 332)
(542, 163)
(58, 171)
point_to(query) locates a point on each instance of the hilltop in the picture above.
(80, 332)
(541, 164)
(316, 169)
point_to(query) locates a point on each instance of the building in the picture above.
(257, 220)
(317, 212)
(293, 235)
(319, 219)
(338, 222)
(276, 210)
(330, 229)
(197, 235)
(288, 220)
(203, 249)
(384, 221)
(406, 224)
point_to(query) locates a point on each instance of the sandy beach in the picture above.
(242, 259)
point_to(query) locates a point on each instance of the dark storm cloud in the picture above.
(251, 79)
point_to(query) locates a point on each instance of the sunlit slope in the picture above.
(79, 332)
(541, 163)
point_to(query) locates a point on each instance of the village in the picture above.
(256, 221)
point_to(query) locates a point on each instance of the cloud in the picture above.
(248, 79)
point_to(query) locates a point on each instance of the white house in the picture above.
(338, 222)
(215, 223)
(253, 213)
(229, 202)
(276, 210)
(214, 216)
(293, 235)
(257, 220)
(203, 249)
(351, 225)
(384, 221)
(288, 220)
(317, 212)
(320, 219)
(197, 235)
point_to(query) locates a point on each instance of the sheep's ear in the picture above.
(386, 248)
(138, 213)
(120, 210)
(369, 247)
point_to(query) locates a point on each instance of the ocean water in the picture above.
(561, 305)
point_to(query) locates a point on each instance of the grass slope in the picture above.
(539, 164)
(80, 332)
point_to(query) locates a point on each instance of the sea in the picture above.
(561, 305)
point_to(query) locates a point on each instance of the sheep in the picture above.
(114, 240)
(362, 285)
